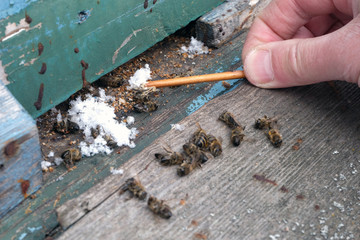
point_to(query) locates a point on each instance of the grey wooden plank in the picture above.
(222, 197)
(227, 20)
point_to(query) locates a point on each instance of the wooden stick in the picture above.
(196, 79)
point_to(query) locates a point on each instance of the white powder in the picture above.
(58, 117)
(94, 112)
(45, 165)
(140, 77)
(60, 178)
(51, 154)
(116, 171)
(94, 146)
(130, 120)
(195, 48)
(58, 161)
(177, 127)
(274, 237)
(339, 206)
(324, 231)
(106, 98)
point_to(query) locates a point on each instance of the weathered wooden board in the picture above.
(222, 200)
(227, 20)
(20, 154)
(106, 33)
(39, 213)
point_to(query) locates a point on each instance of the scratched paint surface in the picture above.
(112, 32)
(24, 163)
(11, 7)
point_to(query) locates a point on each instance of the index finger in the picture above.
(281, 19)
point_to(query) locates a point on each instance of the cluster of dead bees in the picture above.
(142, 101)
(155, 205)
(201, 142)
(194, 155)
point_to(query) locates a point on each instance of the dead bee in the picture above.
(228, 119)
(214, 145)
(65, 126)
(194, 151)
(200, 138)
(265, 123)
(237, 135)
(170, 158)
(110, 81)
(144, 95)
(187, 166)
(143, 99)
(159, 207)
(237, 131)
(275, 137)
(148, 106)
(95, 132)
(71, 156)
(135, 187)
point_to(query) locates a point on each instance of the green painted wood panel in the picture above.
(114, 32)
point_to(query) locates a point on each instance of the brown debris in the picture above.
(300, 197)
(84, 64)
(40, 48)
(28, 19)
(262, 178)
(200, 236)
(226, 84)
(182, 202)
(296, 146)
(146, 4)
(284, 189)
(43, 67)
(24, 185)
(11, 148)
(194, 223)
(38, 103)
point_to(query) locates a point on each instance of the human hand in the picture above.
(300, 42)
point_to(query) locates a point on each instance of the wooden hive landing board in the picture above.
(222, 200)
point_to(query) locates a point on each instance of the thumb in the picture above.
(295, 62)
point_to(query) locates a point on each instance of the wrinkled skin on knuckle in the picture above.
(295, 66)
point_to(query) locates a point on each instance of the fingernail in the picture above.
(259, 68)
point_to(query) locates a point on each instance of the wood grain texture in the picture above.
(227, 20)
(222, 197)
(40, 212)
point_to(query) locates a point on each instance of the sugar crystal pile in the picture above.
(95, 113)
